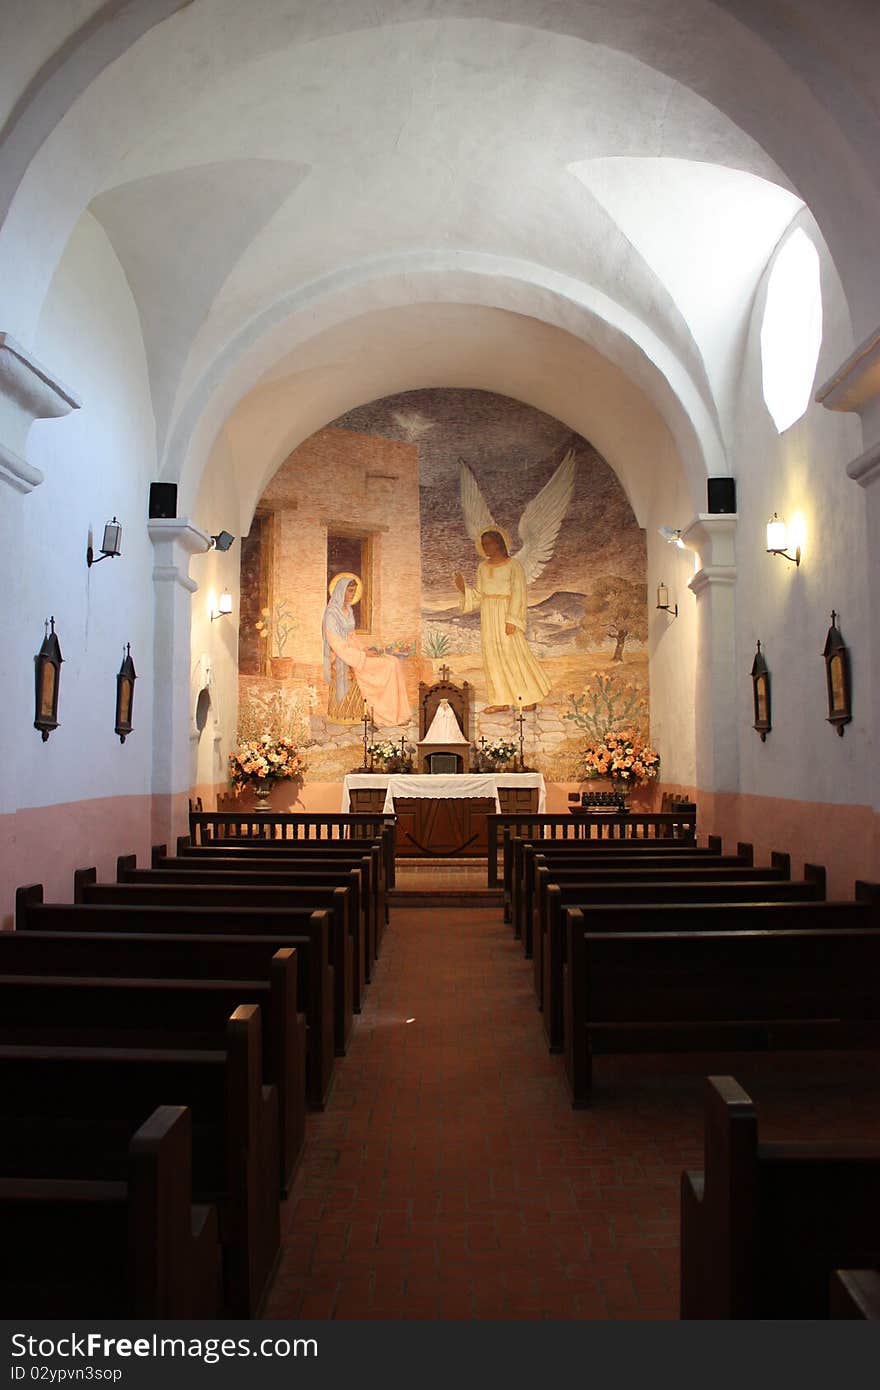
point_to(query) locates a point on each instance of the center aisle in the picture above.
(449, 1177)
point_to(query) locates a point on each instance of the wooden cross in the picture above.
(445, 673)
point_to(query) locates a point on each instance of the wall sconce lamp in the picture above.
(125, 679)
(224, 606)
(663, 600)
(111, 545)
(222, 542)
(777, 540)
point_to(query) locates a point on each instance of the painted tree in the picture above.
(616, 608)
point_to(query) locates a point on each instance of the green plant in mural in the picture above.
(436, 644)
(609, 704)
(615, 608)
(277, 625)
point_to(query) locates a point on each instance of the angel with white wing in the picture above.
(512, 674)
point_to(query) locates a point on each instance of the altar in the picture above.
(443, 815)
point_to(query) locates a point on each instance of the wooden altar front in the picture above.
(452, 822)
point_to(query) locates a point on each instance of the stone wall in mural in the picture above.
(448, 529)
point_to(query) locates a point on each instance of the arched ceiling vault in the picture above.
(402, 348)
(264, 172)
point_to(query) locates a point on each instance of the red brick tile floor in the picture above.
(449, 1178)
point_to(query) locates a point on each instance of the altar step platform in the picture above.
(458, 882)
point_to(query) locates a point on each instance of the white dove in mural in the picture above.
(412, 423)
(513, 676)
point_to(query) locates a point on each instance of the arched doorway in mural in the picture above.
(368, 569)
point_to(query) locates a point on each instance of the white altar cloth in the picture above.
(462, 784)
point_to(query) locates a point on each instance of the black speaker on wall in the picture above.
(163, 500)
(722, 494)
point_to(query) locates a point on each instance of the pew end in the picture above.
(81, 879)
(30, 895)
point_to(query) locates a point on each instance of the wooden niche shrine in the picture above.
(450, 754)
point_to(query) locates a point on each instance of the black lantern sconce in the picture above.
(221, 542)
(125, 679)
(836, 654)
(663, 600)
(761, 694)
(47, 664)
(111, 545)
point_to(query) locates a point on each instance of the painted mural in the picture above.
(443, 530)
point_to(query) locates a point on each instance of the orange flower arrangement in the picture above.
(622, 756)
(264, 760)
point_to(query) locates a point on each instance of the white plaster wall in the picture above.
(98, 461)
(672, 641)
(801, 472)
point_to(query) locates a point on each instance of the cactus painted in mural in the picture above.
(608, 705)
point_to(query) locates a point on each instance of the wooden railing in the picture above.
(636, 825)
(213, 827)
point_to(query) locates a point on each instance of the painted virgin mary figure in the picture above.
(513, 675)
(355, 676)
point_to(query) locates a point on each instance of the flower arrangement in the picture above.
(265, 759)
(496, 754)
(390, 757)
(623, 756)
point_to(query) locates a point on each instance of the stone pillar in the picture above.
(175, 541)
(713, 537)
(855, 386)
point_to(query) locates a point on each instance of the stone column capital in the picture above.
(712, 536)
(28, 392)
(865, 470)
(712, 576)
(176, 539)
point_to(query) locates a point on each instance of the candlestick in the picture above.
(521, 719)
(366, 724)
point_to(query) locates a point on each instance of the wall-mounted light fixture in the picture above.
(672, 536)
(222, 542)
(663, 600)
(224, 606)
(125, 679)
(111, 545)
(777, 540)
(47, 669)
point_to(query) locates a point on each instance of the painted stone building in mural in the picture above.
(393, 495)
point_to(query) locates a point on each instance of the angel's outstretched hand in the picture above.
(510, 629)
(458, 579)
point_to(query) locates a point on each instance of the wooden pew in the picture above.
(259, 828)
(325, 851)
(354, 873)
(98, 1091)
(105, 1010)
(569, 857)
(765, 984)
(309, 933)
(505, 830)
(238, 895)
(764, 1224)
(555, 899)
(132, 1248)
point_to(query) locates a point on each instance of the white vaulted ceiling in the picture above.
(282, 180)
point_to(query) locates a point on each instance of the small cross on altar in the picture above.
(445, 673)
